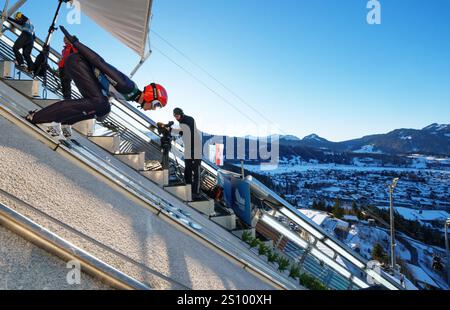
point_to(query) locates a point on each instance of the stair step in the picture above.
(6, 69)
(183, 192)
(110, 144)
(226, 221)
(206, 207)
(29, 88)
(85, 128)
(134, 160)
(160, 177)
(153, 165)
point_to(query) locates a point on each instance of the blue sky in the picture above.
(307, 67)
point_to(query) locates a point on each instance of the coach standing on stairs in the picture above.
(192, 140)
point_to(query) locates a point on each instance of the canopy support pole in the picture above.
(15, 7)
(4, 16)
(146, 56)
(7, 13)
(140, 64)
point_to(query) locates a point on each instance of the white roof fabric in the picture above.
(126, 20)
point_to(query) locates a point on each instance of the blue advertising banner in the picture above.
(236, 194)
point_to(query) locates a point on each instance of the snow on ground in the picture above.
(424, 215)
(419, 163)
(332, 189)
(406, 138)
(421, 276)
(351, 218)
(317, 217)
(423, 160)
(425, 254)
(365, 237)
(325, 220)
(368, 149)
(304, 167)
(420, 215)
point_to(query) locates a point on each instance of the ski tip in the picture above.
(195, 226)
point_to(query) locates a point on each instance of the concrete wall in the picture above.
(23, 266)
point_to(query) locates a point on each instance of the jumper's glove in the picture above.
(52, 29)
(161, 125)
(72, 39)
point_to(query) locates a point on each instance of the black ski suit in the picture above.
(24, 42)
(192, 140)
(94, 78)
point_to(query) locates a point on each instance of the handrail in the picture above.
(124, 106)
(65, 250)
(319, 234)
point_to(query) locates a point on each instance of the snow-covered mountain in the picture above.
(289, 138)
(431, 140)
(437, 129)
(314, 137)
(400, 147)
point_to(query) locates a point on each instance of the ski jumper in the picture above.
(96, 80)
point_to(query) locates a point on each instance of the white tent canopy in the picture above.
(126, 20)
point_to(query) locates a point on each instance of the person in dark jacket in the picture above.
(192, 140)
(96, 80)
(24, 42)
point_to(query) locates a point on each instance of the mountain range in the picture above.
(431, 140)
(393, 148)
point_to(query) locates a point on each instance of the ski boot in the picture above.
(54, 129)
(67, 131)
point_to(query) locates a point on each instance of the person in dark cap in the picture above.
(192, 140)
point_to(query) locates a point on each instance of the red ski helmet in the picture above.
(156, 95)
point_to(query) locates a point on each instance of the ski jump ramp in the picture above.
(115, 206)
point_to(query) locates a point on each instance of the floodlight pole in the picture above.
(447, 225)
(391, 203)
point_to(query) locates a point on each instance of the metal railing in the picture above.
(50, 242)
(139, 130)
